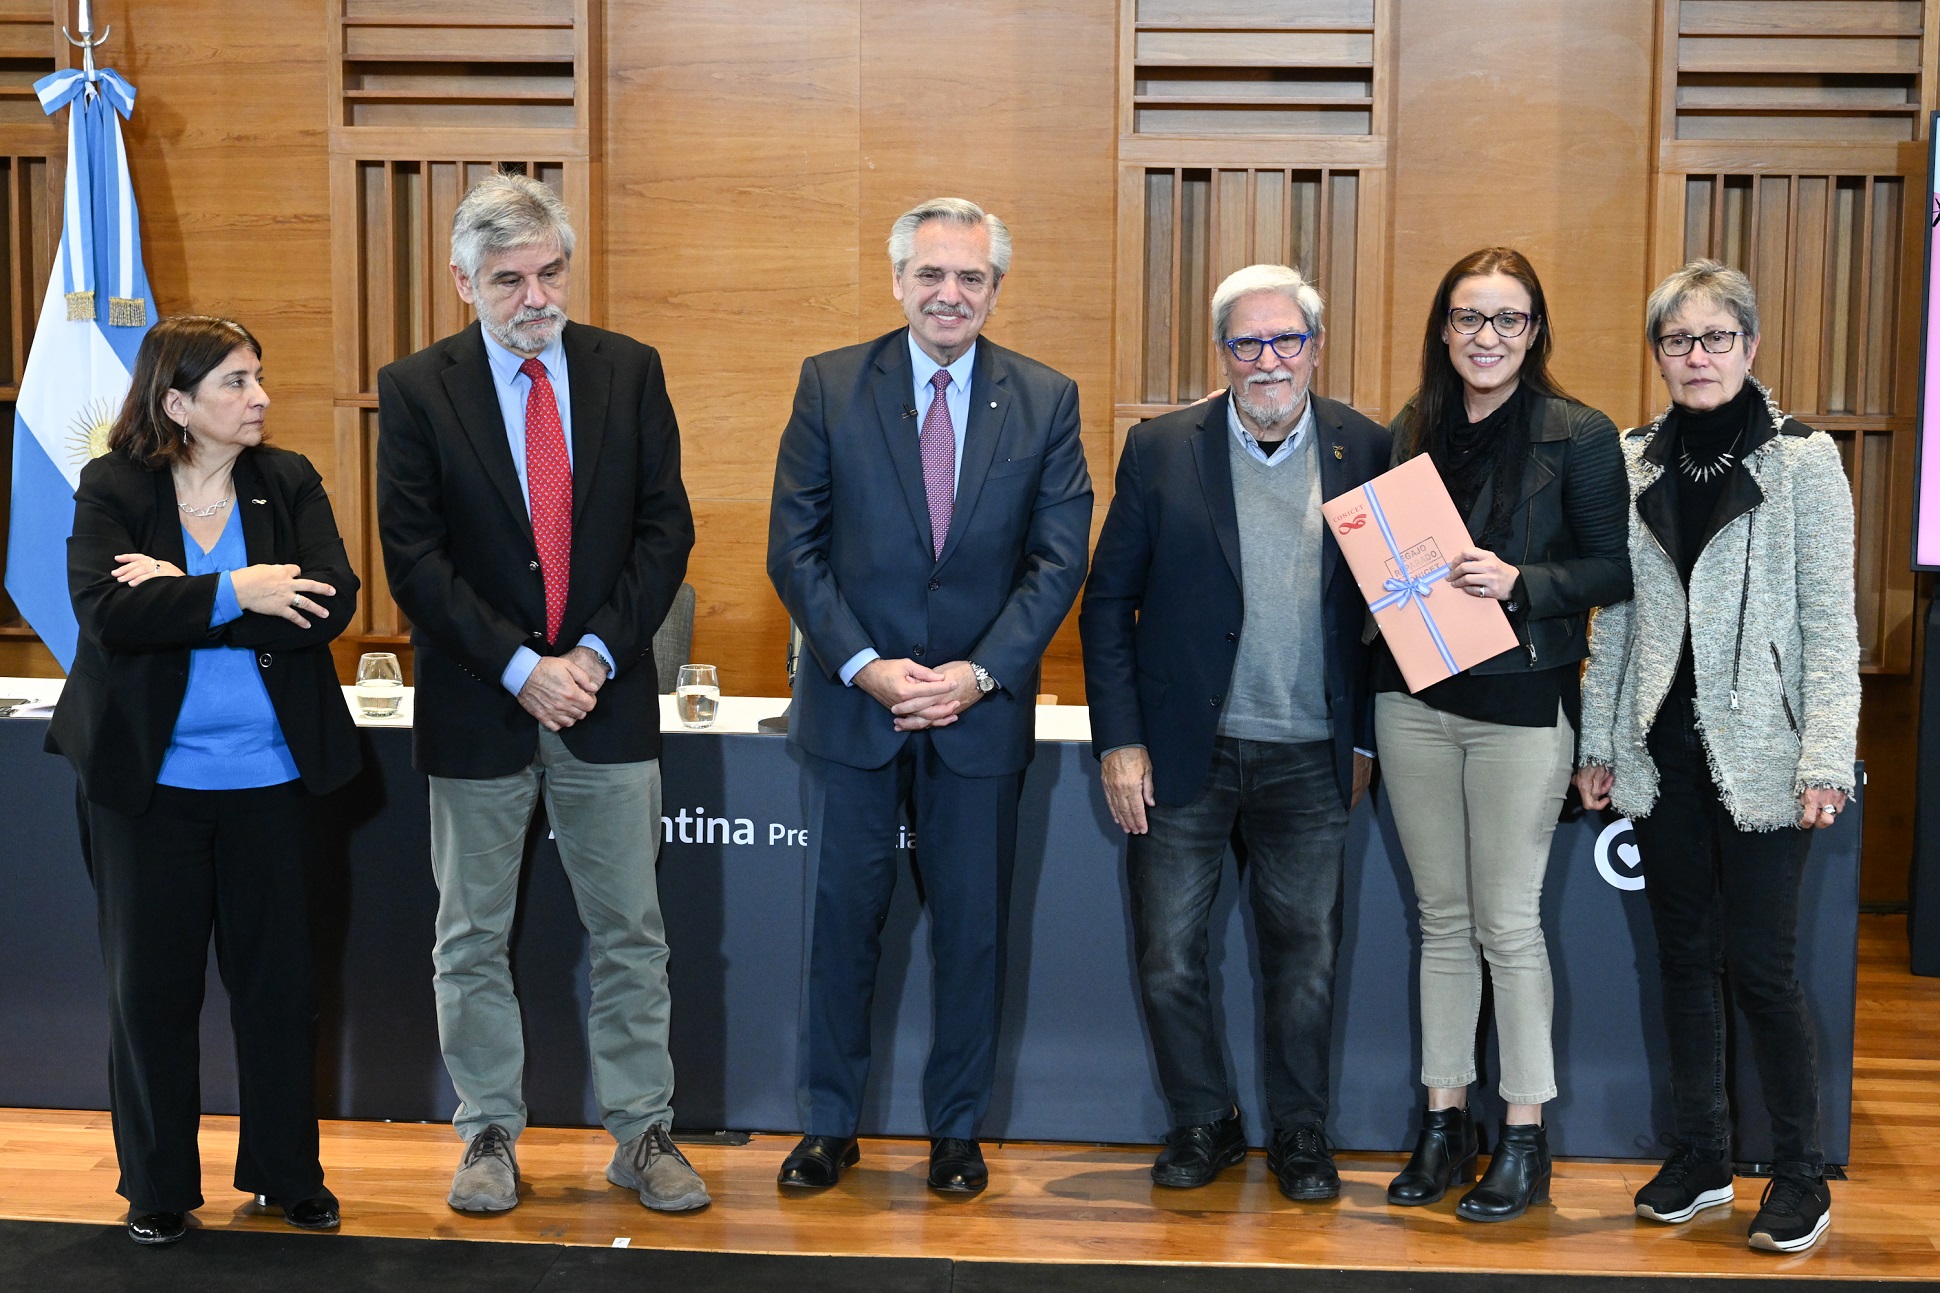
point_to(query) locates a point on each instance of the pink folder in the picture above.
(1400, 533)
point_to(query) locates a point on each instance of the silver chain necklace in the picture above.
(210, 510)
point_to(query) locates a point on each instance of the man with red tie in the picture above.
(928, 533)
(535, 531)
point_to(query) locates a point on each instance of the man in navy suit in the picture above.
(928, 534)
(1228, 690)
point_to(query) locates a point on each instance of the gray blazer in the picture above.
(1776, 647)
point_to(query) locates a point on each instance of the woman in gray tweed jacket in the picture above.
(1720, 713)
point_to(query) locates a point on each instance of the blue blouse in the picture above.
(227, 736)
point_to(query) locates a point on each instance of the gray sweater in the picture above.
(1776, 587)
(1279, 686)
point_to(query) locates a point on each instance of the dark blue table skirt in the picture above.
(1074, 1061)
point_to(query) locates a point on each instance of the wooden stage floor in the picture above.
(1052, 1202)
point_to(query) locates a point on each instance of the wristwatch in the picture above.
(984, 681)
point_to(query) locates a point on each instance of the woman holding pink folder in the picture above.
(1476, 765)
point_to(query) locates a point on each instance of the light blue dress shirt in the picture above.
(513, 388)
(1294, 439)
(226, 736)
(956, 398)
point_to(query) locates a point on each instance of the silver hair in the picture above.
(960, 211)
(1266, 278)
(505, 211)
(1705, 280)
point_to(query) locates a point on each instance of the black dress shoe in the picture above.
(1518, 1176)
(1194, 1155)
(157, 1227)
(318, 1212)
(1302, 1162)
(1444, 1151)
(957, 1167)
(817, 1162)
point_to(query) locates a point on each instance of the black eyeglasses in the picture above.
(1507, 323)
(1715, 342)
(1287, 345)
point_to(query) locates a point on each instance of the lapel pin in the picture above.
(259, 500)
(1339, 453)
(993, 404)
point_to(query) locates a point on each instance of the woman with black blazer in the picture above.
(1476, 765)
(203, 710)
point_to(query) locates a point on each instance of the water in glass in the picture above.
(380, 685)
(697, 695)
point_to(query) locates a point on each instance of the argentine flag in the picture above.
(96, 311)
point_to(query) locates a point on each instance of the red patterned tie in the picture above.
(549, 487)
(939, 444)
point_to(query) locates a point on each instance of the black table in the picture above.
(1074, 1063)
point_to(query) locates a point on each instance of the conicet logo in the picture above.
(1353, 523)
(1617, 858)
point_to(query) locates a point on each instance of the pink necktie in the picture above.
(549, 487)
(939, 444)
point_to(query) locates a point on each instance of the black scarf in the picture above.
(1469, 455)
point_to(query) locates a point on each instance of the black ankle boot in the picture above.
(1518, 1176)
(1444, 1151)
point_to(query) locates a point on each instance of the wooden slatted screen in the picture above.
(426, 101)
(1798, 69)
(1201, 225)
(33, 168)
(1785, 150)
(1249, 130)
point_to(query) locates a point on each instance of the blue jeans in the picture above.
(1725, 904)
(1286, 805)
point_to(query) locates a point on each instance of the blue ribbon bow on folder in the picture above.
(1404, 590)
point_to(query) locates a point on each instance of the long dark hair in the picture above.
(176, 355)
(1440, 393)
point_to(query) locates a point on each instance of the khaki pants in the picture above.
(606, 818)
(1476, 804)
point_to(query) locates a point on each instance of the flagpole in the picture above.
(88, 41)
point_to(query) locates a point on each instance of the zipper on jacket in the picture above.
(1528, 527)
(1744, 596)
(1783, 699)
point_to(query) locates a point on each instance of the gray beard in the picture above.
(507, 335)
(1266, 417)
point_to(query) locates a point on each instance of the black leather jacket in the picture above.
(1567, 535)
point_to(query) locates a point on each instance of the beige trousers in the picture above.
(1476, 804)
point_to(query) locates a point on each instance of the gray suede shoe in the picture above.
(487, 1179)
(653, 1165)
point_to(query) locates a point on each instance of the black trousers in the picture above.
(231, 862)
(1725, 905)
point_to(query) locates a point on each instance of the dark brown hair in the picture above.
(176, 355)
(1441, 386)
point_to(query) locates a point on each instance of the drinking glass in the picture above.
(380, 685)
(697, 695)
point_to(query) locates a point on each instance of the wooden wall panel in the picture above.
(755, 160)
(1529, 129)
(1026, 129)
(734, 174)
(228, 150)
